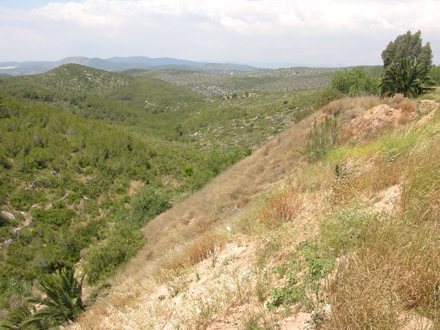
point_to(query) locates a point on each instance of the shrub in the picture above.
(321, 139)
(5, 233)
(57, 215)
(355, 82)
(47, 259)
(24, 199)
(328, 95)
(189, 171)
(122, 242)
(147, 203)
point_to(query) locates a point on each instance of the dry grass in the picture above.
(396, 270)
(350, 107)
(280, 207)
(388, 264)
(196, 250)
(365, 176)
(421, 198)
(406, 106)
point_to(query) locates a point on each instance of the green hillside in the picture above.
(163, 110)
(69, 184)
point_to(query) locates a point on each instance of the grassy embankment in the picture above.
(347, 240)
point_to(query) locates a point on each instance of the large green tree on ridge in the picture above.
(407, 46)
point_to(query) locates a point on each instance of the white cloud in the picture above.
(234, 25)
(18, 35)
(331, 28)
(90, 14)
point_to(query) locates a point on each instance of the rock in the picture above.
(8, 242)
(8, 215)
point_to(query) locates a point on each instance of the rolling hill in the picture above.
(164, 110)
(119, 64)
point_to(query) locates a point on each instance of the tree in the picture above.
(407, 46)
(406, 77)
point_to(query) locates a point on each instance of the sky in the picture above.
(308, 33)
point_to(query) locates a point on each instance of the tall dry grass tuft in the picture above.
(280, 207)
(395, 271)
(421, 192)
(399, 101)
(191, 253)
(350, 107)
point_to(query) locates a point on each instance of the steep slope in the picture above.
(292, 257)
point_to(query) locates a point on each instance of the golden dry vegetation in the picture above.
(350, 241)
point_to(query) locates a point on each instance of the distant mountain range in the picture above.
(121, 64)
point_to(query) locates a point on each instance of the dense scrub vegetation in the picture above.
(66, 193)
(351, 82)
(164, 111)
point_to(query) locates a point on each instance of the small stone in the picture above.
(8, 242)
(8, 215)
